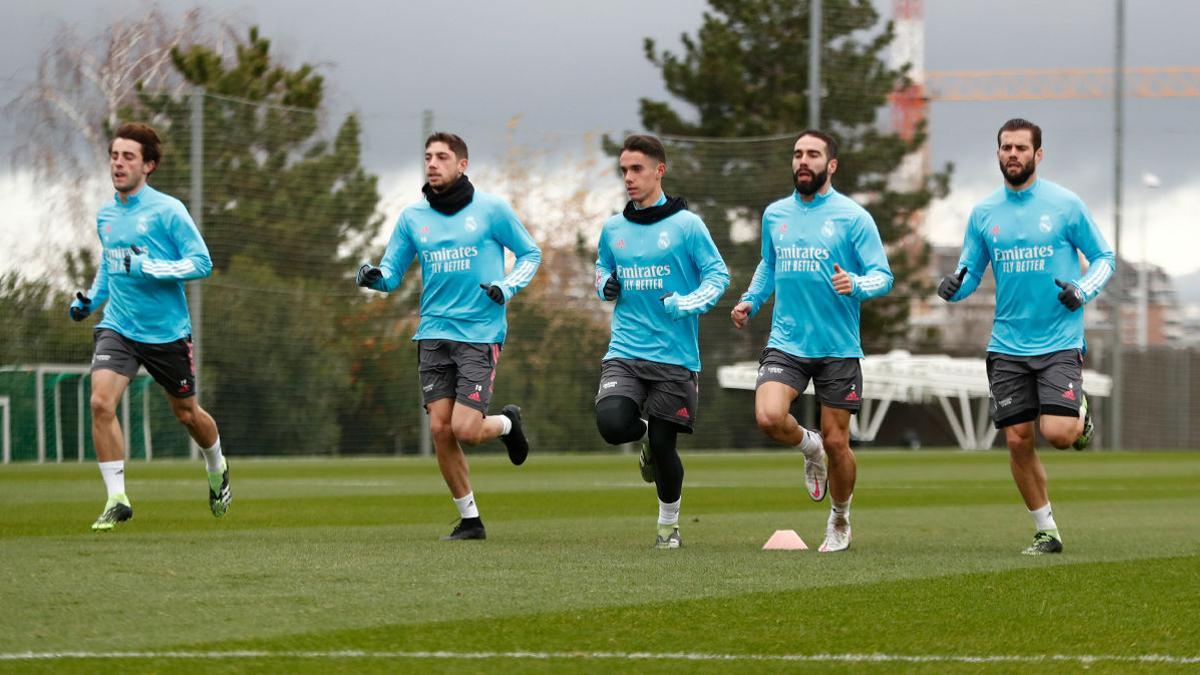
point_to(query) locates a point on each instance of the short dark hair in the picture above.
(647, 145)
(831, 147)
(457, 145)
(145, 135)
(1017, 124)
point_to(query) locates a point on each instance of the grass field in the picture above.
(335, 565)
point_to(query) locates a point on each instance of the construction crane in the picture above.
(910, 104)
(1059, 83)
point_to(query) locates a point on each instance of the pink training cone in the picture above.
(785, 540)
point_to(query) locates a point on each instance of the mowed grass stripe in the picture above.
(156, 516)
(731, 468)
(444, 655)
(1056, 614)
(306, 563)
(289, 580)
(407, 491)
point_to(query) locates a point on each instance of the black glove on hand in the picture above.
(950, 284)
(367, 276)
(612, 287)
(80, 308)
(128, 258)
(494, 293)
(1070, 296)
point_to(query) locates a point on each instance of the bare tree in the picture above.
(81, 85)
(563, 197)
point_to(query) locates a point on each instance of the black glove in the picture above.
(612, 287)
(80, 308)
(494, 293)
(1070, 296)
(128, 259)
(367, 276)
(950, 284)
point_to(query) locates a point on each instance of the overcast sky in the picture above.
(570, 68)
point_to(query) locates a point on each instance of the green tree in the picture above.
(274, 189)
(550, 365)
(382, 408)
(82, 82)
(35, 328)
(745, 75)
(285, 213)
(278, 376)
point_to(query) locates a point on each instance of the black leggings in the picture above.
(617, 418)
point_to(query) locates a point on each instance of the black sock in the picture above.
(668, 468)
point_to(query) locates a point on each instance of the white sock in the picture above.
(505, 424)
(1043, 518)
(212, 456)
(466, 506)
(114, 477)
(668, 514)
(810, 445)
(839, 509)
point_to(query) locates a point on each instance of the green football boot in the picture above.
(1044, 542)
(117, 510)
(219, 494)
(668, 537)
(1085, 436)
(646, 463)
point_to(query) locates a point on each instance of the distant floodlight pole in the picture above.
(426, 441)
(1150, 182)
(1117, 293)
(814, 64)
(196, 199)
(808, 407)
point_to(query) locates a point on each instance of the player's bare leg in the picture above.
(843, 470)
(472, 427)
(772, 412)
(199, 424)
(843, 473)
(107, 388)
(1060, 430)
(1030, 477)
(203, 429)
(452, 462)
(1027, 469)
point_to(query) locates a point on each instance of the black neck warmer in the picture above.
(453, 199)
(653, 214)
